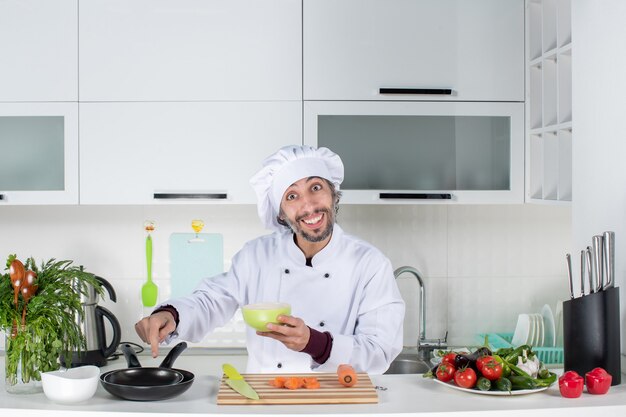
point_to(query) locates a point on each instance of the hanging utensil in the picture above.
(568, 260)
(609, 256)
(149, 290)
(598, 246)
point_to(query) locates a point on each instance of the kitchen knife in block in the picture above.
(193, 258)
(236, 382)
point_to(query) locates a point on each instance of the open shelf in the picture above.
(549, 101)
(564, 76)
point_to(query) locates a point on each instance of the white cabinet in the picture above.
(38, 50)
(549, 101)
(187, 50)
(353, 48)
(423, 152)
(159, 153)
(39, 143)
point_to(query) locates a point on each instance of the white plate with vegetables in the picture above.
(496, 393)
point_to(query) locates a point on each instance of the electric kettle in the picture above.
(92, 326)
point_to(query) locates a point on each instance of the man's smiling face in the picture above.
(308, 208)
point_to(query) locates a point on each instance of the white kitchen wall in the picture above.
(482, 265)
(598, 91)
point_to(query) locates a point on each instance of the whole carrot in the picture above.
(346, 375)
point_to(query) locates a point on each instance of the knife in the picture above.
(597, 261)
(589, 269)
(583, 271)
(609, 256)
(568, 260)
(236, 382)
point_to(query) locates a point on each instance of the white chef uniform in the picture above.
(348, 291)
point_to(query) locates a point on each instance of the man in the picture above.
(345, 303)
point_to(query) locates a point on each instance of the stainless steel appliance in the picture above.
(93, 328)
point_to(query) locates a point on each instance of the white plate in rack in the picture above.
(548, 326)
(523, 330)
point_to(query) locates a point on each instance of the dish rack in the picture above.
(547, 355)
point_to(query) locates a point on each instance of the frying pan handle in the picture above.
(168, 362)
(131, 357)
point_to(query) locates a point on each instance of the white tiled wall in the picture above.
(482, 265)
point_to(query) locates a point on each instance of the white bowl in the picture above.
(72, 385)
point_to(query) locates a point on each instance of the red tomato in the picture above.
(449, 358)
(465, 378)
(571, 384)
(445, 372)
(598, 381)
(492, 370)
(480, 362)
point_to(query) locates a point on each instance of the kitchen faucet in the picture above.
(424, 346)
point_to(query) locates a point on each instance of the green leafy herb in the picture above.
(51, 329)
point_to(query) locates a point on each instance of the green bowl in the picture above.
(259, 315)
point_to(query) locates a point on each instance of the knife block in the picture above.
(591, 333)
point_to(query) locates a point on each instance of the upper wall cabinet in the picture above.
(38, 50)
(164, 153)
(414, 49)
(415, 152)
(39, 143)
(186, 50)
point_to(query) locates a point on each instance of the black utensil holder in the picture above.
(591, 333)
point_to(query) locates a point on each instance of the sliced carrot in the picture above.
(278, 382)
(346, 375)
(311, 383)
(293, 383)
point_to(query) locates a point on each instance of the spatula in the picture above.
(149, 290)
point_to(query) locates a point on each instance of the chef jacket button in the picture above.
(286, 271)
(279, 365)
(327, 275)
(322, 324)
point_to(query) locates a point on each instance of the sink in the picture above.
(408, 363)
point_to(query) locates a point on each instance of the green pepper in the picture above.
(544, 373)
(517, 371)
(518, 351)
(506, 369)
(483, 384)
(546, 382)
(503, 384)
(522, 382)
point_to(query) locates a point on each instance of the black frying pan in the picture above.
(137, 387)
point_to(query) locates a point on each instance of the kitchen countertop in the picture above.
(406, 395)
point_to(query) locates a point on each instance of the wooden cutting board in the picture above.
(330, 391)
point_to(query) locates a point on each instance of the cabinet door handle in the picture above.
(195, 196)
(415, 196)
(408, 91)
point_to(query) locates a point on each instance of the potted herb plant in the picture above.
(39, 308)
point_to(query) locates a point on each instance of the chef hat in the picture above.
(288, 165)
